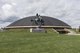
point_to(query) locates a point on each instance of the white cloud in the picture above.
(7, 10)
(4, 24)
(66, 10)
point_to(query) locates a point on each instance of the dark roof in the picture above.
(48, 21)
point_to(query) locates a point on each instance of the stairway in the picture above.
(61, 30)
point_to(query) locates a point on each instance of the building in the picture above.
(48, 23)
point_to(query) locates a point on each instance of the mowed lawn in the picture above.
(26, 42)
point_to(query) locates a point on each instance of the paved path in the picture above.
(72, 32)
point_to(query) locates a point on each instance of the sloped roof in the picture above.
(48, 21)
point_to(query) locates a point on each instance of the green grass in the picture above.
(26, 42)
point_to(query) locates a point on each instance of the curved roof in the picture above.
(48, 21)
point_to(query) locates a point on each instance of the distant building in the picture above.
(79, 28)
(49, 23)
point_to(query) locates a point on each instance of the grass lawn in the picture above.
(26, 42)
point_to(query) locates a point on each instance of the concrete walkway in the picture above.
(72, 32)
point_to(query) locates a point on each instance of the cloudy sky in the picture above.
(65, 10)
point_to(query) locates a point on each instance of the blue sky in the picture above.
(65, 10)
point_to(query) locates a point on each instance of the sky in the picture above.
(65, 10)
